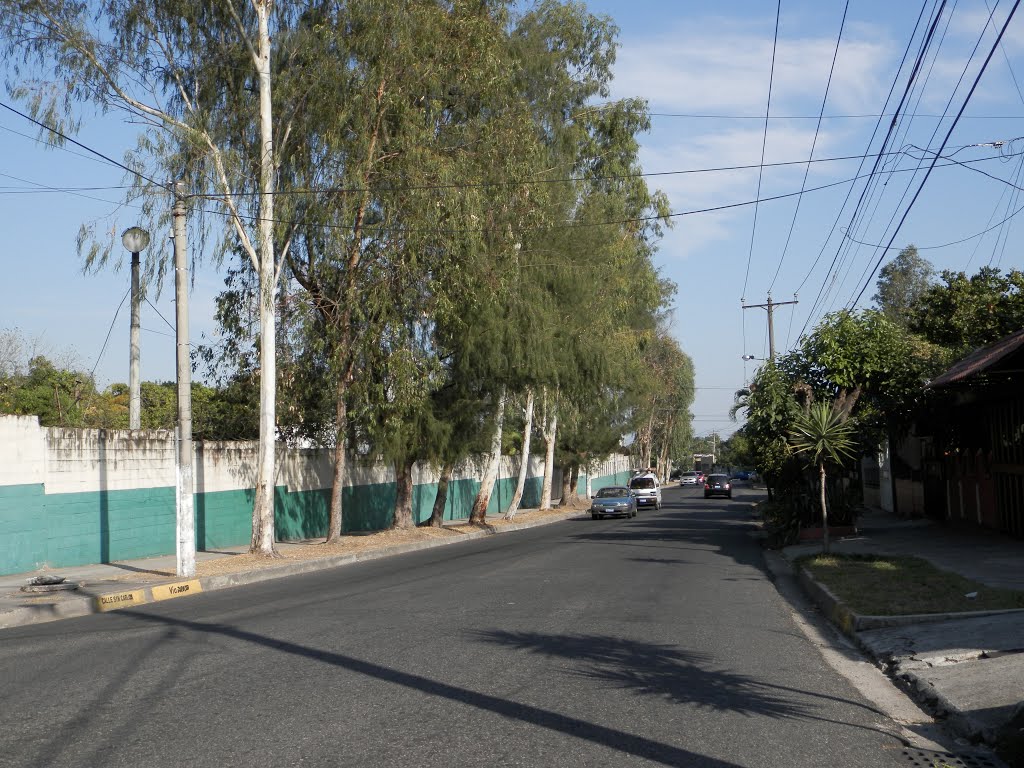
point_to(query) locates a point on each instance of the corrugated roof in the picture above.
(980, 360)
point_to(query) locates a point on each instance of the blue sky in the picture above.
(690, 60)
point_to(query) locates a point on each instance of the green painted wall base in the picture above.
(67, 529)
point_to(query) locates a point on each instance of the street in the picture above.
(658, 640)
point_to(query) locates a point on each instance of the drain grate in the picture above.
(928, 758)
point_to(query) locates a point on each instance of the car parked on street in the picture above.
(646, 490)
(690, 478)
(717, 485)
(613, 500)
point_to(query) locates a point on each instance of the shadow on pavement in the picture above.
(666, 671)
(621, 741)
(724, 531)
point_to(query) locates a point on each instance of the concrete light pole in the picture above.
(186, 527)
(135, 240)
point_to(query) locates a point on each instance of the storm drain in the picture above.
(929, 758)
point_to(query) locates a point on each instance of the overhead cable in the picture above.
(949, 133)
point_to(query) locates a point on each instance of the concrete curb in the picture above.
(69, 606)
(913, 683)
(851, 622)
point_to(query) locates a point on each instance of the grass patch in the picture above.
(894, 586)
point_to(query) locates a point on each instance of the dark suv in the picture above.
(717, 485)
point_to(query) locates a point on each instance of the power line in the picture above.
(920, 161)
(860, 215)
(995, 212)
(764, 143)
(814, 143)
(878, 191)
(698, 116)
(580, 225)
(955, 242)
(99, 154)
(949, 133)
(92, 374)
(420, 187)
(892, 125)
(878, 123)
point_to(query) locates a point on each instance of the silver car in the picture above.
(689, 478)
(613, 500)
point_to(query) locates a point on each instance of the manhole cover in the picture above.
(929, 758)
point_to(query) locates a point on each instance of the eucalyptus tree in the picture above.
(614, 224)
(901, 283)
(197, 78)
(409, 98)
(675, 430)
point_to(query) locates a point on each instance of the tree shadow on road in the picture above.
(664, 670)
(713, 532)
(611, 738)
(652, 669)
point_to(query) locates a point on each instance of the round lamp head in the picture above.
(135, 239)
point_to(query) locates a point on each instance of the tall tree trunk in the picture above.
(824, 509)
(590, 480)
(263, 506)
(403, 495)
(666, 440)
(571, 492)
(550, 433)
(441, 499)
(648, 443)
(483, 496)
(335, 515)
(524, 464)
(566, 497)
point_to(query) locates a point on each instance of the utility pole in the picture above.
(770, 306)
(134, 239)
(186, 528)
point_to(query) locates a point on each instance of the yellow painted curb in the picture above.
(114, 600)
(178, 589)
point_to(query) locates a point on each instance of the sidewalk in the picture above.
(965, 668)
(109, 586)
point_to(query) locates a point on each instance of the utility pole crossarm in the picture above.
(770, 307)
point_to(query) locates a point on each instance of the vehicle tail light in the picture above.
(728, 486)
(707, 487)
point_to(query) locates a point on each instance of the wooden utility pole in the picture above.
(770, 306)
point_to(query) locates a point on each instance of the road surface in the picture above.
(658, 640)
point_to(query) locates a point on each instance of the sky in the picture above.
(705, 69)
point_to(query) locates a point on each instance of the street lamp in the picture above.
(751, 357)
(135, 240)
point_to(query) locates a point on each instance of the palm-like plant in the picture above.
(823, 432)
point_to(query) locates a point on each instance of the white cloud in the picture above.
(719, 66)
(714, 67)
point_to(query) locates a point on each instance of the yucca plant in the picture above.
(824, 434)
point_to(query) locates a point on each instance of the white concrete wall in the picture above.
(22, 451)
(84, 460)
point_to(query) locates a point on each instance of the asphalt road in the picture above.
(658, 640)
